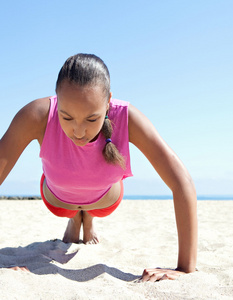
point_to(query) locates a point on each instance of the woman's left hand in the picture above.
(157, 274)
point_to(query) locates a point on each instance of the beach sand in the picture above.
(138, 235)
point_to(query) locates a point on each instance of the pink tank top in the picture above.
(80, 175)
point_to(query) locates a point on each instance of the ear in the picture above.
(110, 96)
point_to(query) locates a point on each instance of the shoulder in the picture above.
(36, 110)
(33, 117)
(140, 127)
(118, 103)
(118, 109)
(27, 125)
(145, 137)
(143, 134)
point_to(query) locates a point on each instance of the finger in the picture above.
(147, 273)
(158, 277)
(145, 278)
(172, 276)
(138, 280)
(164, 277)
(154, 278)
(169, 276)
(158, 273)
(16, 268)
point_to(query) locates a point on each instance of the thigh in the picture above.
(57, 211)
(104, 212)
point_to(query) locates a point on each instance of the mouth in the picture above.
(79, 142)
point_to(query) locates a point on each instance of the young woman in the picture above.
(84, 136)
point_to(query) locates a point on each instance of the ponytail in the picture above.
(110, 151)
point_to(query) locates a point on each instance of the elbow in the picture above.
(184, 186)
(191, 185)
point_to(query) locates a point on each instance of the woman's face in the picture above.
(81, 111)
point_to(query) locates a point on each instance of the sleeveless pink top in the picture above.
(80, 175)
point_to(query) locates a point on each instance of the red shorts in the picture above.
(63, 212)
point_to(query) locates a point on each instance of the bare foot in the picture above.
(89, 234)
(72, 232)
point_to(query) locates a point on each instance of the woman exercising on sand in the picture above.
(84, 136)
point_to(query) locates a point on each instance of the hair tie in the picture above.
(106, 117)
(108, 140)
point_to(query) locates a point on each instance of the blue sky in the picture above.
(171, 59)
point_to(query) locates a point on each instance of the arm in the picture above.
(28, 124)
(145, 137)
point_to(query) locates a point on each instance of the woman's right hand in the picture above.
(16, 268)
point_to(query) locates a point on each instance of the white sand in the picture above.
(139, 234)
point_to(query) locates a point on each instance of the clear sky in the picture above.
(171, 59)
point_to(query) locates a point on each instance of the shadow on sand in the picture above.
(39, 258)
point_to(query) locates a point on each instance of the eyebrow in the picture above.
(64, 112)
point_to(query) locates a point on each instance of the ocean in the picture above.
(169, 197)
(132, 197)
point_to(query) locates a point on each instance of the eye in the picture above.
(92, 120)
(66, 119)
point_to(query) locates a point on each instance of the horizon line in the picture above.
(130, 197)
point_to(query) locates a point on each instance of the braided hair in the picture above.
(89, 70)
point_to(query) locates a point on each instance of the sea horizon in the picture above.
(129, 197)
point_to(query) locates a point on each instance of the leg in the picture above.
(72, 232)
(89, 234)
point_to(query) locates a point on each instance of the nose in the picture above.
(79, 131)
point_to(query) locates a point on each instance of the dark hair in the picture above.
(85, 70)
(90, 70)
